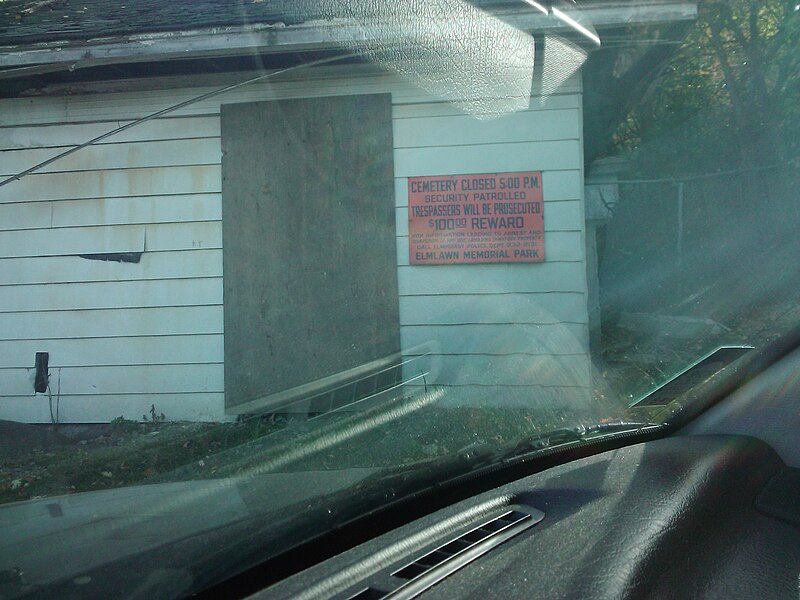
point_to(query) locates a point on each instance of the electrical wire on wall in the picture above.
(54, 418)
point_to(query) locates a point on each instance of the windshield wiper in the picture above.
(579, 433)
(483, 455)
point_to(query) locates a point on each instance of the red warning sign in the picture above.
(483, 218)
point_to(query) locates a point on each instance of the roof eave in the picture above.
(280, 38)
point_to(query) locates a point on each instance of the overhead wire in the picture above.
(172, 108)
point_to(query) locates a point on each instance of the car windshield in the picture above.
(267, 267)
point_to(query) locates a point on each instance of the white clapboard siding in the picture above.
(111, 238)
(73, 269)
(124, 336)
(149, 209)
(487, 158)
(443, 109)
(559, 246)
(111, 294)
(424, 132)
(533, 309)
(102, 408)
(54, 242)
(558, 216)
(562, 185)
(140, 350)
(117, 322)
(133, 155)
(556, 339)
(131, 379)
(25, 215)
(65, 135)
(516, 369)
(115, 183)
(325, 81)
(128, 105)
(489, 279)
(565, 215)
(495, 328)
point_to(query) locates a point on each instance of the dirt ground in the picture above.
(68, 459)
(38, 460)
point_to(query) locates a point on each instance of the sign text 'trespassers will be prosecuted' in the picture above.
(482, 218)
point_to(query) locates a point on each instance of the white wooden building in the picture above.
(125, 336)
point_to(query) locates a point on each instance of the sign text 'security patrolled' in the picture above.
(481, 218)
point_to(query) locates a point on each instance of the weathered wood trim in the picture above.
(278, 38)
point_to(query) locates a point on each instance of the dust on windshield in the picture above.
(362, 237)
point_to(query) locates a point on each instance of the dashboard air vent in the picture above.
(430, 568)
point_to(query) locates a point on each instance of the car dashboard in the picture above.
(711, 511)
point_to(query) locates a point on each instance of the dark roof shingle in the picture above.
(30, 21)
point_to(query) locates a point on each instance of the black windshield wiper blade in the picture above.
(479, 456)
(578, 433)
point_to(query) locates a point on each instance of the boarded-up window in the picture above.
(308, 243)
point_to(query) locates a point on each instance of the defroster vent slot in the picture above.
(433, 566)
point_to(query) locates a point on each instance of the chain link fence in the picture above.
(704, 246)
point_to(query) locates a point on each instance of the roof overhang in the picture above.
(24, 60)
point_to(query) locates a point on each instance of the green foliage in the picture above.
(728, 97)
(154, 417)
(121, 424)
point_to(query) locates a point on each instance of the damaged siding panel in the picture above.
(59, 242)
(181, 264)
(121, 336)
(111, 238)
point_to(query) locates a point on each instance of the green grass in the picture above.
(134, 453)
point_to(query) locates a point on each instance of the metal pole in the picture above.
(679, 241)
